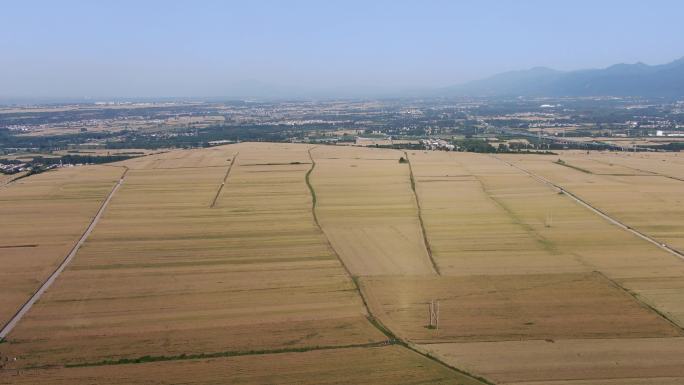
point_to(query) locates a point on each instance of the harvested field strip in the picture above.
(41, 219)
(517, 307)
(246, 261)
(7, 328)
(197, 356)
(565, 164)
(273, 164)
(472, 224)
(644, 171)
(577, 361)
(186, 168)
(253, 273)
(426, 242)
(372, 365)
(541, 240)
(603, 172)
(223, 183)
(392, 338)
(12, 178)
(369, 213)
(643, 304)
(596, 210)
(369, 315)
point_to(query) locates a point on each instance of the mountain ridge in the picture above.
(623, 79)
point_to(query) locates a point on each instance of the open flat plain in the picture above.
(264, 263)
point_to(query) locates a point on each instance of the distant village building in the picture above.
(437, 144)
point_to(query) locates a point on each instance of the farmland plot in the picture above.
(571, 362)
(512, 307)
(41, 218)
(650, 203)
(164, 274)
(211, 262)
(382, 365)
(368, 211)
(596, 243)
(478, 211)
(211, 157)
(666, 164)
(469, 229)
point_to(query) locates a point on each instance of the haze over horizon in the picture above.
(78, 49)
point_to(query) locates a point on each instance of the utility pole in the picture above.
(539, 136)
(433, 315)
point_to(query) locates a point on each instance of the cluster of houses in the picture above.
(19, 167)
(669, 133)
(437, 144)
(14, 168)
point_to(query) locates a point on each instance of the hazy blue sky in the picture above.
(201, 48)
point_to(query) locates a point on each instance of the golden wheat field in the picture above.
(40, 218)
(645, 191)
(274, 263)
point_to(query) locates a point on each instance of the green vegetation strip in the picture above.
(311, 189)
(197, 356)
(15, 246)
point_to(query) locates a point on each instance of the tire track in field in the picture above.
(7, 328)
(392, 339)
(426, 242)
(596, 210)
(223, 183)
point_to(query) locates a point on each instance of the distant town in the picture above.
(40, 137)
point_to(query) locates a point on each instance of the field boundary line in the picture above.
(11, 181)
(640, 170)
(540, 239)
(223, 183)
(225, 354)
(305, 349)
(7, 328)
(355, 282)
(568, 165)
(642, 303)
(596, 210)
(392, 339)
(423, 351)
(426, 242)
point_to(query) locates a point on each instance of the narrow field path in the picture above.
(7, 328)
(392, 338)
(426, 242)
(596, 210)
(223, 183)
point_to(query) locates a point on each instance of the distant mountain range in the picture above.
(665, 80)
